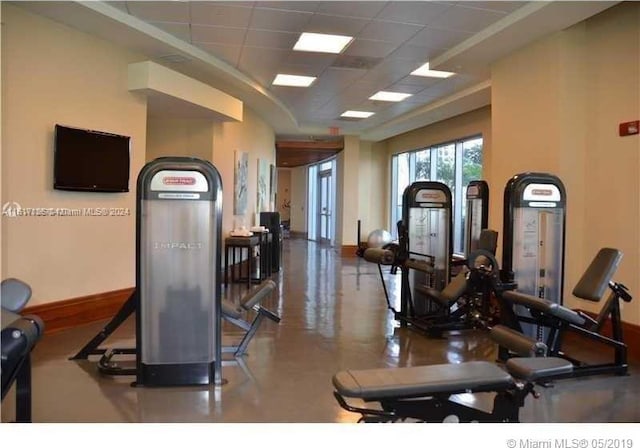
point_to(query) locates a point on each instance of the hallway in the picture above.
(334, 317)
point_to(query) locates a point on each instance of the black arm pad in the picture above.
(419, 265)
(258, 294)
(379, 256)
(517, 342)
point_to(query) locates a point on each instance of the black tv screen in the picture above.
(88, 160)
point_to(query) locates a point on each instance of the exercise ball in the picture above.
(378, 238)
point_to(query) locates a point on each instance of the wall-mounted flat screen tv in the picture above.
(86, 160)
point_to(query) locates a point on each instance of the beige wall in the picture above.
(54, 74)
(299, 199)
(256, 137)
(169, 136)
(556, 108)
(373, 171)
(284, 194)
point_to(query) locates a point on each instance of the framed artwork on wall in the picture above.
(241, 182)
(262, 203)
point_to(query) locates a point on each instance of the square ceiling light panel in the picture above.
(356, 114)
(322, 43)
(425, 71)
(293, 80)
(389, 96)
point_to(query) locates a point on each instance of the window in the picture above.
(454, 164)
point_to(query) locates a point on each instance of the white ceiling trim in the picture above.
(192, 51)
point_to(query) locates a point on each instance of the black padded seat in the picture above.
(449, 295)
(544, 306)
(421, 381)
(533, 369)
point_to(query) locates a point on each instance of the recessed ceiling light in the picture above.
(322, 43)
(389, 96)
(356, 114)
(293, 80)
(424, 70)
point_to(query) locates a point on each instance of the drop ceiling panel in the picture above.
(217, 34)
(414, 53)
(179, 30)
(470, 20)
(419, 81)
(335, 79)
(352, 9)
(422, 13)
(228, 53)
(328, 24)
(370, 48)
(271, 39)
(277, 20)
(318, 61)
(437, 38)
(177, 12)
(388, 31)
(406, 88)
(290, 6)
(507, 7)
(212, 13)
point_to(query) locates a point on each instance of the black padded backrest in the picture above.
(594, 281)
(488, 240)
(14, 294)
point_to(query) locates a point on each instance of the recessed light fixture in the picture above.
(293, 80)
(357, 114)
(389, 96)
(424, 70)
(322, 43)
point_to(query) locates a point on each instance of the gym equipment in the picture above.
(378, 238)
(427, 393)
(18, 337)
(534, 238)
(465, 303)
(177, 298)
(477, 214)
(271, 220)
(558, 320)
(233, 313)
(425, 240)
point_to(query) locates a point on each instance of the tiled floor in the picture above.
(333, 317)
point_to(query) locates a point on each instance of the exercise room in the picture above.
(329, 212)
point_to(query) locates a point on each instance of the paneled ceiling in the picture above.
(239, 47)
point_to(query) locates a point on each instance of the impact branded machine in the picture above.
(177, 299)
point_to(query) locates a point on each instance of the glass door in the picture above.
(325, 208)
